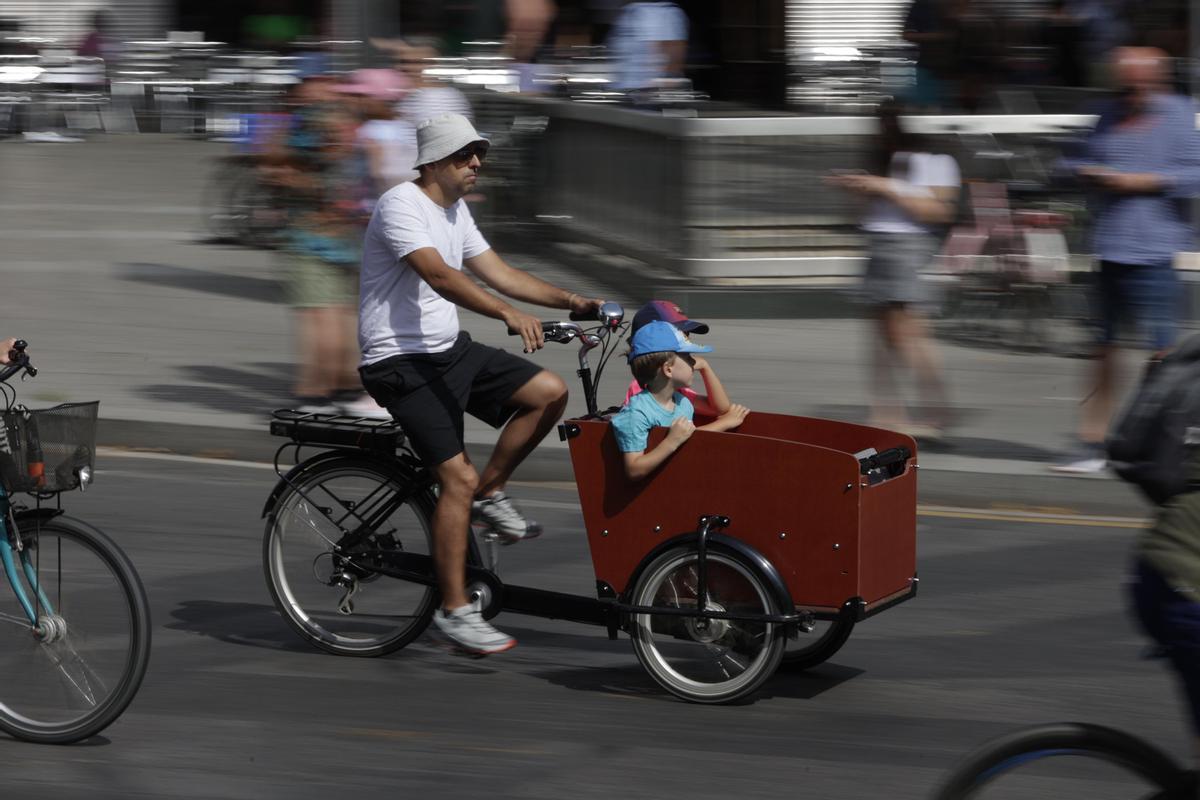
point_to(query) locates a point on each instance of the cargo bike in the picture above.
(746, 550)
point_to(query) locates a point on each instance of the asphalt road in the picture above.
(1020, 620)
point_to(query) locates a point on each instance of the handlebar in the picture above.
(17, 361)
(605, 334)
(564, 332)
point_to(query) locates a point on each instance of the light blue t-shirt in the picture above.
(633, 423)
(634, 41)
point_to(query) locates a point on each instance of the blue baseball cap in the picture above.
(662, 337)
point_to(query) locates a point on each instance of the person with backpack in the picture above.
(1140, 166)
(1155, 444)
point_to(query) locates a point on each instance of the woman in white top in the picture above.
(913, 195)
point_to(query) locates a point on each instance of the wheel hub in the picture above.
(50, 628)
(707, 630)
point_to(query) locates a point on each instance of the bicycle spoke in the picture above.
(19, 621)
(316, 554)
(75, 672)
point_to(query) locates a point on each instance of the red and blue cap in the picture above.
(659, 336)
(665, 311)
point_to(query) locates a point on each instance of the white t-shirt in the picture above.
(915, 174)
(398, 312)
(396, 139)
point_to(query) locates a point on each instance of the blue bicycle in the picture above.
(75, 629)
(1068, 760)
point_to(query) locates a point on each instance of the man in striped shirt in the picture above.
(1141, 165)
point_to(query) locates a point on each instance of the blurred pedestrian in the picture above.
(926, 27)
(98, 43)
(912, 196)
(386, 142)
(1140, 165)
(320, 175)
(427, 96)
(649, 45)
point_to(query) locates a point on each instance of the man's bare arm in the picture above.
(459, 289)
(520, 285)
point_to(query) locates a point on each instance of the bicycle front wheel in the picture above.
(326, 536)
(70, 674)
(705, 660)
(1037, 762)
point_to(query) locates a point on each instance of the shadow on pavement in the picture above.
(263, 387)
(630, 681)
(250, 624)
(807, 684)
(264, 289)
(597, 642)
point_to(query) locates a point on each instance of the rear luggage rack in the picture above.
(337, 430)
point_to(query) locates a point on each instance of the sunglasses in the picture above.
(475, 150)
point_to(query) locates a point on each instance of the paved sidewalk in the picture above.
(188, 346)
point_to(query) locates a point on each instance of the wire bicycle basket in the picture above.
(48, 450)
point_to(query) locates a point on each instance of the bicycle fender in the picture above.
(319, 459)
(752, 557)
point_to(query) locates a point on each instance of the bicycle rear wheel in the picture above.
(75, 672)
(818, 645)
(324, 539)
(1032, 763)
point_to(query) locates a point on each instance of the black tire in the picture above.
(818, 645)
(1004, 757)
(303, 551)
(76, 676)
(690, 659)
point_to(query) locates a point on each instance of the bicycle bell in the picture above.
(611, 314)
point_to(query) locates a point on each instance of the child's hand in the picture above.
(680, 431)
(734, 417)
(699, 364)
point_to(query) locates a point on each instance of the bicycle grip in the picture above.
(587, 316)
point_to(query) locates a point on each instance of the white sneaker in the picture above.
(1089, 465)
(1087, 459)
(499, 514)
(469, 631)
(315, 405)
(49, 137)
(364, 406)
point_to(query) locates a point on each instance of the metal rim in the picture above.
(291, 604)
(660, 664)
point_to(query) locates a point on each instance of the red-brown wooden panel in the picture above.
(836, 435)
(888, 536)
(840, 539)
(767, 487)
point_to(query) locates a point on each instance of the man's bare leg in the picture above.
(1098, 406)
(457, 481)
(542, 401)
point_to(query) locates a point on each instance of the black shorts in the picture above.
(428, 393)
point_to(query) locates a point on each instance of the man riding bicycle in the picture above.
(426, 372)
